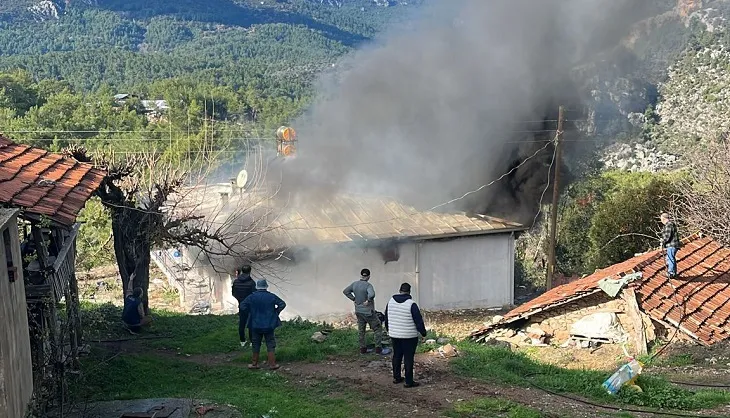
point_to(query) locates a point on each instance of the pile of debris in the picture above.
(590, 331)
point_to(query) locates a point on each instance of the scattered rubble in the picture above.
(319, 336)
(448, 350)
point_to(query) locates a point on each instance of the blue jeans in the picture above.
(258, 335)
(672, 260)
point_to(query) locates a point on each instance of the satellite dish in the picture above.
(241, 179)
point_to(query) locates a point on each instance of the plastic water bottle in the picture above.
(626, 373)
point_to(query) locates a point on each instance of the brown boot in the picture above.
(254, 361)
(272, 362)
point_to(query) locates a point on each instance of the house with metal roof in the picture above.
(313, 249)
(647, 302)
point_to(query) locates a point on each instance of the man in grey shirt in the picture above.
(363, 294)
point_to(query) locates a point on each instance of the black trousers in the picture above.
(242, 322)
(404, 351)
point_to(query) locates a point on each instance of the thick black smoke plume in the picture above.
(463, 94)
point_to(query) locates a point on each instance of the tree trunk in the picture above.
(132, 250)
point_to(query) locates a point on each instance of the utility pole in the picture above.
(556, 198)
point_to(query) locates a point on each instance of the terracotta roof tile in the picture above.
(23, 167)
(698, 299)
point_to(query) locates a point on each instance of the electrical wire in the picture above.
(381, 220)
(547, 186)
(701, 385)
(480, 188)
(609, 407)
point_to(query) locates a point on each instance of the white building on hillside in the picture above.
(313, 251)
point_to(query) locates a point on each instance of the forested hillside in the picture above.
(276, 47)
(230, 71)
(247, 64)
(233, 70)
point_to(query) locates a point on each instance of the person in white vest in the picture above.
(404, 323)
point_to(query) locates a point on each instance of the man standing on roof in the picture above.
(404, 323)
(242, 288)
(362, 293)
(670, 242)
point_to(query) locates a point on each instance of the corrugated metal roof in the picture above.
(348, 218)
(698, 299)
(44, 183)
(336, 219)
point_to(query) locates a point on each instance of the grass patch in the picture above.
(254, 394)
(218, 334)
(504, 367)
(151, 373)
(492, 407)
(677, 360)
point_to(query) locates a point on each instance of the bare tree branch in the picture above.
(155, 204)
(705, 202)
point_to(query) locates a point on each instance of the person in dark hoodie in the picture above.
(404, 323)
(242, 288)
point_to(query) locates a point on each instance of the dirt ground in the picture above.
(441, 389)
(459, 324)
(695, 364)
(372, 378)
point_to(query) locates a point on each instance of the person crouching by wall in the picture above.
(133, 314)
(263, 309)
(404, 323)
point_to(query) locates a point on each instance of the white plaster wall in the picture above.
(468, 272)
(313, 288)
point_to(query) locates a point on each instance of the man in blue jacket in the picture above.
(263, 309)
(404, 323)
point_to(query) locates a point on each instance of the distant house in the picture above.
(155, 110)
(646, 302)
(49, 190)
(155, 105)
(122, 98)
(312, 251)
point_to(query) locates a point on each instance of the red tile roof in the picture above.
(44, 183)
(698, 299)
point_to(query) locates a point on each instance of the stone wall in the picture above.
(557, 321)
